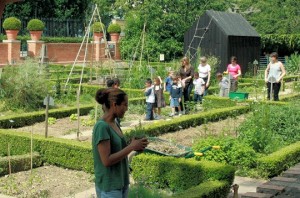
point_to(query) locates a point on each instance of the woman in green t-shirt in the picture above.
(110, 149)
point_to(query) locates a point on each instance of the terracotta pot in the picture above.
(98, 36)
(12, 34)
(114, 37)
(36, 35)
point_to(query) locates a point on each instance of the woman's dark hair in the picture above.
(274, 54)
(233, 58)
(110, 83)
(149, 81)
(116, 81)
(108, 95)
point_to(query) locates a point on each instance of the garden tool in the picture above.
(201, 153)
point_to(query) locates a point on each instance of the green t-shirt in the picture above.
(116, 176)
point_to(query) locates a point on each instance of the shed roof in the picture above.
(232, 24)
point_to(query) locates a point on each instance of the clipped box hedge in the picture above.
(27, 119)
(59, 152)
(217, 189)
(19, 163)
(279, 161)
(177, 174)
(158, 128)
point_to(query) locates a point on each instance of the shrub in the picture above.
(280, 160)
(26, 119)
(19, 163)
(271, 127)
(60, 152)
(159, 128)
(12, 23)
(219, 189)
(98, 27)
(35, 25)
(24, 86)
(177, 174)
(140, 191)
(114, 28)
(233, 151)
(293, 63)
(282, 43)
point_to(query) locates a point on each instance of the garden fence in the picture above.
(55, 27)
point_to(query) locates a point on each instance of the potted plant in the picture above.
(114, 30)
(12, 26)
(97, 29)
(35, 27)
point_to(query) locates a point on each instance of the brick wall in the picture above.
(3, 54)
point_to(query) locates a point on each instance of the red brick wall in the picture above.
(67, 52)
(3, 54)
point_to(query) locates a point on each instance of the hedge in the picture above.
(59, 152)
(177, 174)
(19, 163)
(193, 120)
(277, 162)
(213, 189)
(27, 119)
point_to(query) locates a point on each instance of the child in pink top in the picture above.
(234, 71)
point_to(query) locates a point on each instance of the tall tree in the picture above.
(166, 22)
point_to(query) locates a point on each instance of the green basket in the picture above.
(238, 96)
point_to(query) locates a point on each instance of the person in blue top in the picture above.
(175, 96)
(109, 147)
(168, 82)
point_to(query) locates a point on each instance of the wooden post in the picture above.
(31, 150)
(78, 113)
(8, 155)
(46, 116)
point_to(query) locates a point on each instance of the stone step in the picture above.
(256, 195)
(270, 189)
(291, 173)
(284, 179)
(295, 169)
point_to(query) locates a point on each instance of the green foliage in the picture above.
(166, 23)
(114, 28)
(293, 64)
(213, 102)
(60, 9)
(25, 86)
(98, 27)
(271, 127)
(282, 43)
(271, 16)
(140, 191)
(12, 23)
(233, 151)
(218, 189)
(73, 117)
(51, 120)
(60, 152)
(280, 160)
(27, 119)
(19, 163)
(35, 25)
(159, 128)
(177, 174)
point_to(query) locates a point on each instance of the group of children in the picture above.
(173, 84)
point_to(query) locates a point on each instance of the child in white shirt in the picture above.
(199, 84)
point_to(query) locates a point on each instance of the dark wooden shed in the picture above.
(223, 35)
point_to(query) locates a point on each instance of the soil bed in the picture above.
(47, 182)
(165, 147)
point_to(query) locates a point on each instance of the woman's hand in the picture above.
(266, 80)
(139, 144)
(207, 85)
